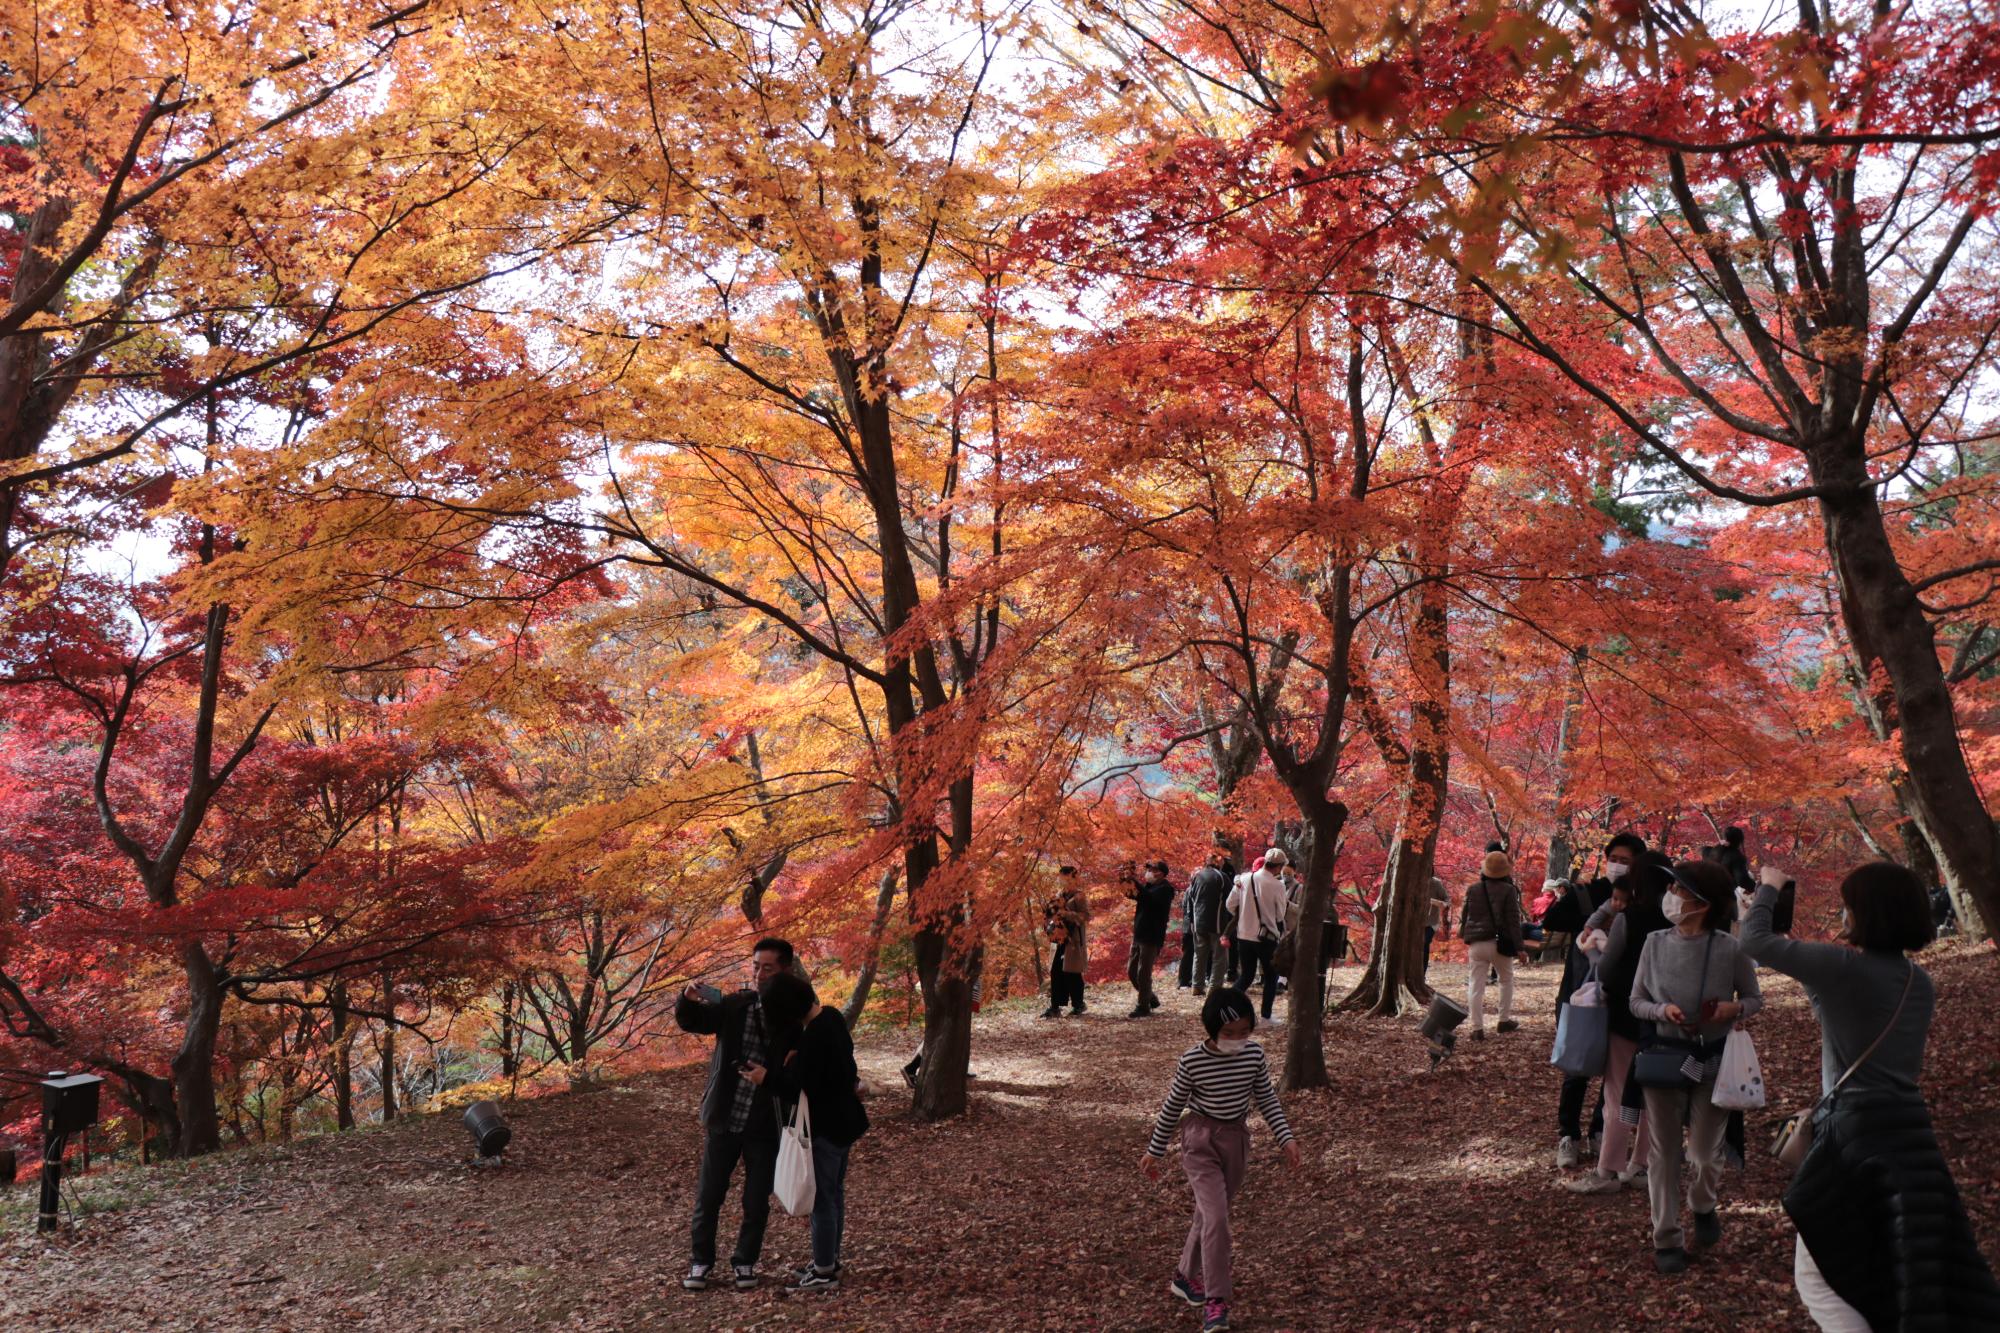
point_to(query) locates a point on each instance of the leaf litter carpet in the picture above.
(1427, 1200)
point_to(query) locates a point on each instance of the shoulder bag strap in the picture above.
(1881, 1037)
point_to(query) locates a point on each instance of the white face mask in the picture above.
(1676, 909)
(1231, 1045)
(1616, 870)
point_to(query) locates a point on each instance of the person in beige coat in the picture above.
(1068, 924)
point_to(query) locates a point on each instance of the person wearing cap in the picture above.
(1258, 899)
(1491, 929)
(1694, 984)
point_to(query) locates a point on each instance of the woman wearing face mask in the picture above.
(1566, 923)
(1631, 912)
(1694, 984)
(1883, 1237)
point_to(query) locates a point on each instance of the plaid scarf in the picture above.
(756, 1051)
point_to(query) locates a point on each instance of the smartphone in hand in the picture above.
(1781, 915)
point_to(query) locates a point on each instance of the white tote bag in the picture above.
(1740, 1085)
(793, 1181)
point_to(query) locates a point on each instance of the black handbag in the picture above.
(1664, 1061)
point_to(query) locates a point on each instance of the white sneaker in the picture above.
(1592, 1183)
(1566, 1155)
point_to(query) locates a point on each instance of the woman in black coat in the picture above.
(1883, 1238)
(818, 1065)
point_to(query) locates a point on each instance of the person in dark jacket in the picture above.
(1625, 922)
(1200, 908)
(1883, 1238)
(736, 1114)
(1569, 916)
(1152, 903)
(818, 1064)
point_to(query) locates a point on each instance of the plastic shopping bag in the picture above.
(1740, 1085)
(792, 1184)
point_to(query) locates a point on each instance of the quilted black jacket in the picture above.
(1875, 1205)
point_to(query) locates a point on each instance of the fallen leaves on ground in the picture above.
(1428, 1200)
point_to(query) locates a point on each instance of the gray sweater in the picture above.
(1670, 972)
(1853, 992)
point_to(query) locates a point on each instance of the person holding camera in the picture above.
(1152, 903)
(1883, 1240)
(1066, 921)
(736, 1114)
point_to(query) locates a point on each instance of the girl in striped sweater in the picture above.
(1214, 1082)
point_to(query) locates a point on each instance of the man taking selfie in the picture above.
(736, 1114)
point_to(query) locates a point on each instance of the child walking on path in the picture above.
(1214, 1083)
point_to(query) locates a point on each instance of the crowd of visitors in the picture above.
(1669, 952)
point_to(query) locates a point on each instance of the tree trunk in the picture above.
(1305, 1052)
(1396, 963)
(946, 969)
(194, 1063)
(343, 1059)
(1562, 839)
(388, 1050)
(857, 1003)
(1887, 626)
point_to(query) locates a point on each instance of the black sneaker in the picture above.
(1053, 1011)
(1707, 1229)
(1509, 1025)
(746, 1277)
(1152, 1002)
(1140, 1011)
(696, 1279)
(1078, 1010)
(814, 1280)
(1188, 1290)
(1671, 1261)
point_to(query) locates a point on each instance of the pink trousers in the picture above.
(1213, 1153)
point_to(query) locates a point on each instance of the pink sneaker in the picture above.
(1188, 1289)
(1215, 1317)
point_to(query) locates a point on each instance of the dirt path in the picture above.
(1427, 1201)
